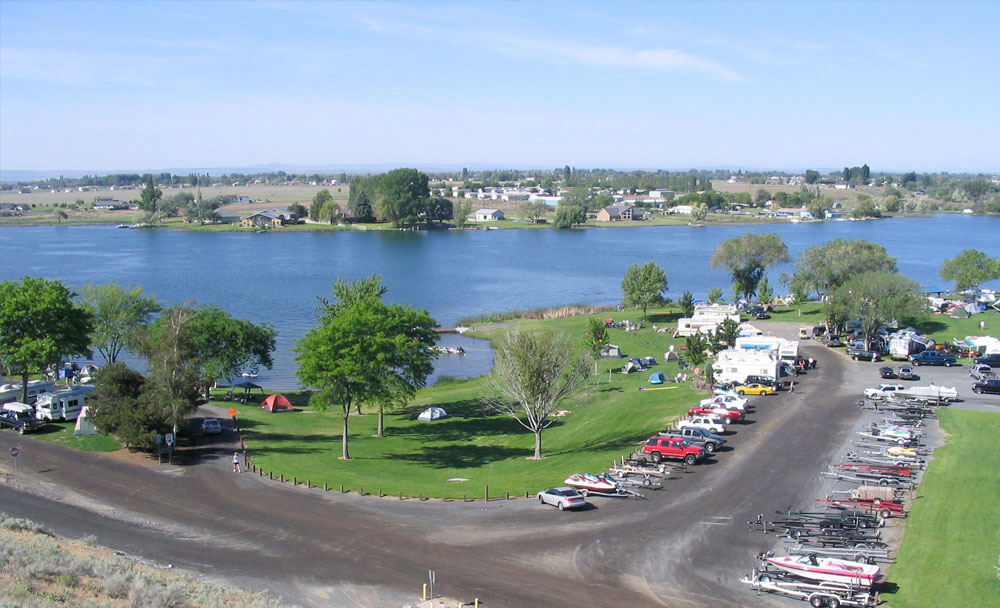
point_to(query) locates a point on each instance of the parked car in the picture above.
(707, 422)
(992, 359)
(865, 355)
(754, 388)
(933, 357)
(990, 385)
(887, 373)
(726, 400)
(762, 315)
(727, 415)
(981, 371)
(765, 380)
(660, 448)
(19, 422)
(832, 341)
(211, 426)
(906, 373)
(698, 436)
(562, 498)
(882, 391)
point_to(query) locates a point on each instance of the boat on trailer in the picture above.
(816, 568)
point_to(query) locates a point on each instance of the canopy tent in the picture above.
(432, 413)
(249, 386)
(83, 424)
(657, 378)
(276, 403)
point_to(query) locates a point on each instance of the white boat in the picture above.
(249, 375)
(944, 393)
(814, 567)
(589, 482)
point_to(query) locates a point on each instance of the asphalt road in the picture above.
(686, 545)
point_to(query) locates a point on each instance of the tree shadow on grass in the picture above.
(463, 429)
(931, 327)
(462, 456)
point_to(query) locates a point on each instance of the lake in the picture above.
(277, 277)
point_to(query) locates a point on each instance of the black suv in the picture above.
(765, 380)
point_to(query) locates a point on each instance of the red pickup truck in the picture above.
(675, 448)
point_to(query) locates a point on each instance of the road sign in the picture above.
(14, 452)
(158, 439)
(170, 439)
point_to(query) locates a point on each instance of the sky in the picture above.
(115, 86)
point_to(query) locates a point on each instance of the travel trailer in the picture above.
(62, 405)
(12, 392)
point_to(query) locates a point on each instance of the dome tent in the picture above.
(275, 403)
(432, 413)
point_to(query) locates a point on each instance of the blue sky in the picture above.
(140, 85)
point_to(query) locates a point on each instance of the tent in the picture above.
(432, 413)
(648, 361)
(670, 356)
(630, 367)
(249, 386)
(276, 403)
(83, 424)
(611, 351)
(656, 378)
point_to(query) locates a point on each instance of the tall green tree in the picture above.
(149, 200)
(812, 176)
(365, 351)
(119, 314)
(876, 298)
(568, 216)
(174, 373)
(747, 256)
(715, 295)
(643, 286)
(223, 346)
(120, 407)
(970, 269)
(462, 213)
(686, 302)
(39, 325)
(402, 196)
(764, 292)
(322, 198)
(361, 200)
(825, 267)
(533, 373)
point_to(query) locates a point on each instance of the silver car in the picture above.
(562, 498)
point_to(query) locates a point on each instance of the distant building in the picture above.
(488, 215)
(272, 218)
(619, 213)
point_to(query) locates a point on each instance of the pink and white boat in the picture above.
(829, 569)
(589, 482)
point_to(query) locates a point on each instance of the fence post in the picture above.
(326, 487)
(486, 493)
(282, 478)
(380, 492)
(341, 488)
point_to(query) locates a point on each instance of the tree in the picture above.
(401, 197)
(725, 335)
(223, 346)
(533, 373)
(977, 188)
(172, 384)
(762, 196)
(812, 176)
(569, 215)
(149, 200)
(328, 213)
(970, 269)
(825, 267)
(798, 287)
(439, 209)
(299, 210)
(696, 346)
(461, 214)
(119, 314)
(318, 203)
(747, 256)
(361, 200)
(365, 351)
(699, 211)
(818, 207)
(764, 292)
(865, 208)
(39, 325)
(714, 295)
(643, 286)
(875, 298)
(686, 302)
(120, 407)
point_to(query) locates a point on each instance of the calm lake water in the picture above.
(277, 277)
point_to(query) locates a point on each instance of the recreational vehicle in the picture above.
(12, 392)
(62, 405)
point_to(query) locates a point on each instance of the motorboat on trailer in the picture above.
(589, 482)
(816, 568)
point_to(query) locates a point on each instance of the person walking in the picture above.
(791, 386)
(236, 462)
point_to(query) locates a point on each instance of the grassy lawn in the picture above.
(62, 433)
(949, 555)
(419, 457)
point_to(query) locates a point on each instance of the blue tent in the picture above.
(656, 378)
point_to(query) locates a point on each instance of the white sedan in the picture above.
(562, 498)
(733, 402)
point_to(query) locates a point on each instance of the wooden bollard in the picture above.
(508, 495)
(326, 487)
(465, 498)
(361, 491)
(420, 496)
(401, 495)
(295, 480)
(525, 493)
(380, 492)
(270, 475)
(341, 488)
(486, 493)
(282, 478)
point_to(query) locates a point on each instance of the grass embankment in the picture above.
(41, 571)
(420, 457)
(951, 550)
(62, 433)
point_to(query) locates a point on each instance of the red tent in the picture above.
(275, 403)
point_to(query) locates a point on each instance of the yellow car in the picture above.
(753, 389)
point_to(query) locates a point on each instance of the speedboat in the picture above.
(589, 482)
(817, 568)
(249, 375)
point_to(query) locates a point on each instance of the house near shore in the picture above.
(272, 218)
(488, 215)
(619, 213)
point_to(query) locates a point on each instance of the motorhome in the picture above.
(12, 392)
(786, 350)
(734, 365)
(62, 405)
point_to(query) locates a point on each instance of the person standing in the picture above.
(236, 462)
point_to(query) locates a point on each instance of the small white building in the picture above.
(488, 215)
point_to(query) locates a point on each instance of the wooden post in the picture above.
(401, 495)
(486, 493)
(361, 490)
(421, 496)
(295, 480)
(508, 495)
(326, 487)
(282, 478)
(380, 492)
(341, 488)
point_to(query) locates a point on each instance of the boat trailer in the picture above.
(818, 595)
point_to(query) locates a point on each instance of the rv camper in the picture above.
(12, 392)
(62, 405)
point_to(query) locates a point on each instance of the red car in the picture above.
(726, 415)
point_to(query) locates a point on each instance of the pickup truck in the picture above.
(709, 423)
(933, 357)
(882, 391)
(19, 422)
(660, 448)
(698, 436)
(981, 371)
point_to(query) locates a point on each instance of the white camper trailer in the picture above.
(734, 365)
(62, 405)
(12, 392)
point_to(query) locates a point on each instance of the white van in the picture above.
(62, 405)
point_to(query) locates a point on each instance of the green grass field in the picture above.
(950, 553)
(605, 422)
(62, 433)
